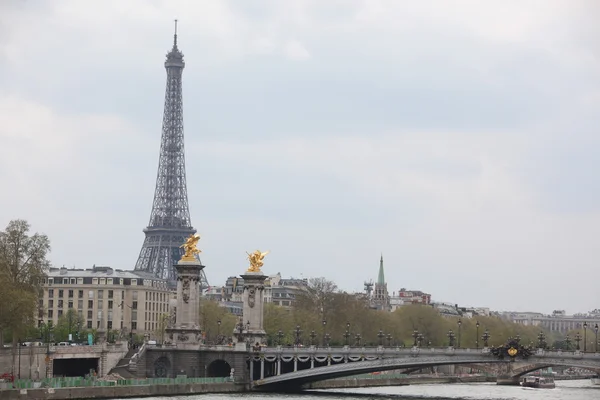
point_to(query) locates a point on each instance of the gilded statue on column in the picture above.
(256, 260)
(190, 249)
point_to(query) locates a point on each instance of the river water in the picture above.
(565, 390)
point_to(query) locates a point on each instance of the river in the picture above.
(565, 390)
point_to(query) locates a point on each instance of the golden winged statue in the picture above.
(190, 249)
(256, 260)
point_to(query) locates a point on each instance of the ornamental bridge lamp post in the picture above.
(585, 326)
(477, 335)
(486, 337)
(596, 344)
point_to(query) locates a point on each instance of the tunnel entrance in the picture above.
(218, 369)
(74, 366)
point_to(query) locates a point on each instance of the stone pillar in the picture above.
(187, 321)
(253, 312)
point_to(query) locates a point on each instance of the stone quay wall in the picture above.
(117, 392)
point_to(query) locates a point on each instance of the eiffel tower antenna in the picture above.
(170, 223)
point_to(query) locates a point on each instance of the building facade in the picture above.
(105, 299)
(558, 321)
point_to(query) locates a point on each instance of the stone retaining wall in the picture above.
(116, 392)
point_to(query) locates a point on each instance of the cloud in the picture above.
(458, 138)
(296, 50)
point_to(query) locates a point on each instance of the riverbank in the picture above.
(118, 392)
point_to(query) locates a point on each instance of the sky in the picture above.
(457, 138)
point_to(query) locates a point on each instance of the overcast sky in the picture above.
(458, 138)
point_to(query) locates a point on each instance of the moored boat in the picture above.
(538, 382)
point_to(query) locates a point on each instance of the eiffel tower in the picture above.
(170, 223)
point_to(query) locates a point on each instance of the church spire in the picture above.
(381, 276)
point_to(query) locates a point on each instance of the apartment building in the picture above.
(105, 298)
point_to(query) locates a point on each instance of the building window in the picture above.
(99, 314)
(50, 292)
(60, 293)
(80, 281)
(65, 281)
(70, 303)
(109, 325)
(110, 304)
(121, 281)
(134, 315)
(80, 304)
(91, 294)
(134, 282)
(50, 303)
(59, 313)
(89, 324)
(50, 281)
(94, 281)
(80, 313)
(133, 326)
(134, 295)
(60, 304)
(102, 281)
(134, 305)
(100, 294)
(90, 314)
(90, 303)
(110, 315)
(110, 294)
(72, 281)
(109, 281)
(80, 294)
(70, 293)
(50, 313)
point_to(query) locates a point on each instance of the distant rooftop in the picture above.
(99, 271)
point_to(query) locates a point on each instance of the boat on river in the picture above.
(538, 382)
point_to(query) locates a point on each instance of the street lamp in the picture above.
(450, 338)
(313, 335)
(219, 331)
(541, 340)
(380, 335)
(326, 339)
(279, 336)
(477, 335)
(420, 339)
(568, 342)
(357, 338)
(324, 324)
(459, 326)
(415, 335)
(347, 333)
(389, 339)
(486, 337)
(298, 331)
(585, 325)
(577, 340)
(596, 330)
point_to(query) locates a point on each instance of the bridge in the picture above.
(289, 369)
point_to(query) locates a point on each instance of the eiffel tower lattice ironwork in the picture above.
(170, 223)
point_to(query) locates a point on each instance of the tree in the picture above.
(210, 315)
(69, 323)
(23, 263)
(161, 327)
(318, 297)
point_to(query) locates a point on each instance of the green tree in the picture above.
(211, 313)
(23, 263)
(69, 323)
